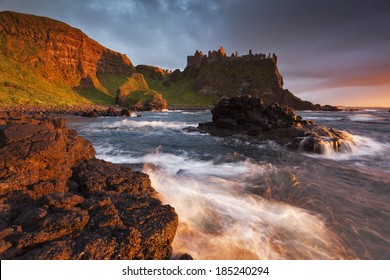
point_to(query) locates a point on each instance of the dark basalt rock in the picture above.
(59, 202)
(110, 112)
(248, 115)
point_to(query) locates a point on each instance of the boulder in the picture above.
(150, 101)
(125, 113)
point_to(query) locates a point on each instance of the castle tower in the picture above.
(275, 58)
(198, 58)
(221, 51)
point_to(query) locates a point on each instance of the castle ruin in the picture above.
(199, 58)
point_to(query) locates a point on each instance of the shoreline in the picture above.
(106, 110)
(189, 107)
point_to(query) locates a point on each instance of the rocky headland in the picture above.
(218, 74)
(57, 201)
(247, 115)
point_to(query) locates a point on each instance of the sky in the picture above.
(329, 52)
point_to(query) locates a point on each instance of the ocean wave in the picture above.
(355, 147)
(215, 209)
(324, 118)
(365, 118)
(155, 124)
(129, 124)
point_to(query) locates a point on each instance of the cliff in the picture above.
(56, 53)
(57, 50)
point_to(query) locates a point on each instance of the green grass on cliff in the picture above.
(142, 96)
(96, 96)
(181, 93)
(21, 85)
(106, 89)
(111, 83)
(135, 82)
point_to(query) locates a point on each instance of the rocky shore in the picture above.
(87, 110)
(57, 201)
(247, 115)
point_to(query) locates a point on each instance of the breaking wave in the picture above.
(222, 217)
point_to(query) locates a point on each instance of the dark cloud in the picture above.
(321, 43)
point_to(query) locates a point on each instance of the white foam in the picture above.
(323, 118)
(352, 148)
(364, 118)
(220, 220)
(129, 124)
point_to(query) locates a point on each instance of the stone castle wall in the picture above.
(199, 58)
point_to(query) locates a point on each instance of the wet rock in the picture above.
(247, 115)
(191, 129)
(91, 114)
(97, 177)
(37, 152)
(59, 202)
(125, 113)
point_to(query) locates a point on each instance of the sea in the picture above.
(240, 198)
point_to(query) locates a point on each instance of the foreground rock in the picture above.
(59, 202)
(247, 115)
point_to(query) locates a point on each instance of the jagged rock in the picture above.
(39, 151)
(151, 101)
(153, 72)
(248, 115)
(59, 202)
(125, 113)
(110, 112)
(90, 114)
